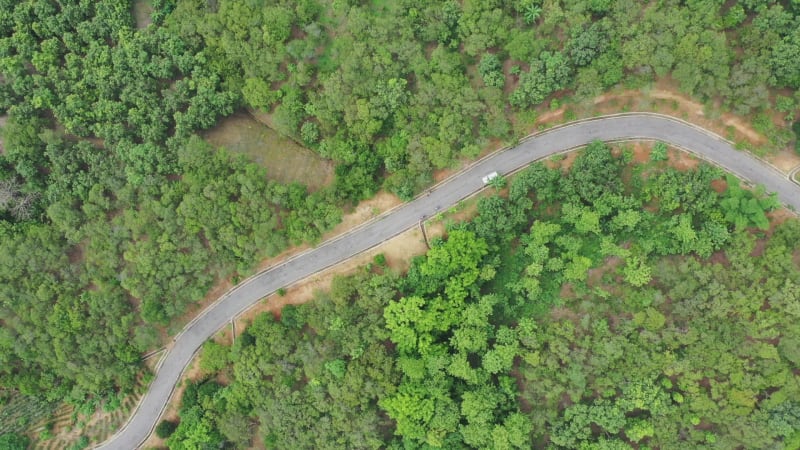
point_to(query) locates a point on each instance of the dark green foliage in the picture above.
(143, 214)
(83, 190)
(588, 44)
(784, 60)
(165, 429)
(491, 71)
(313, 379)
(14, 441)
(115, 216)
(548, 73)
(594, 174)
(353, 76)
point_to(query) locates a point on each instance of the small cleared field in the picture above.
(18, 412)
(60, 425)
(142, 10)
(284, 159)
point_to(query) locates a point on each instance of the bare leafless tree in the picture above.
(9, 189)
(24, 206)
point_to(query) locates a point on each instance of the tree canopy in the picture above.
(647, 317)
(115, 214)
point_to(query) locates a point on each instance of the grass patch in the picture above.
(284, 159)
(18, 412)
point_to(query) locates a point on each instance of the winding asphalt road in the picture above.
(609, 128)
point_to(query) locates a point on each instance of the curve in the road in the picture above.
(609, 128)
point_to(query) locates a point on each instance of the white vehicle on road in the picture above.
(490, 177)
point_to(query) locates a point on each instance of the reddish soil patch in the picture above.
(719, 185)
(512, 81)
(142, 13)
(719, 257)
(548, 116)
(76, 253)
(563, 161)
(364, 211)
(641, 152)
(595, 276)
(559, 313)
(565, 402)
(777, 217)
(567, 291)
(224, 336)
(257, 443)
(682, 160)
(443, 174)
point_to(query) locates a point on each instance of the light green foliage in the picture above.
(194, 431)
(636, 271)
(498, 182)
(256, 93)
(214, 357)
(659, 152)
(465, 318)
(165, 428)
(309, 132)
(583, 218)
(638, 430)
(456, 263)
(745, 208)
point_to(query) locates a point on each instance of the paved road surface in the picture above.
(635, 125)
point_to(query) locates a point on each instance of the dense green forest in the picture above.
(577, 311)
(407, 87)
(114, 215)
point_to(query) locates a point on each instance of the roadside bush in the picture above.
(165, 429)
